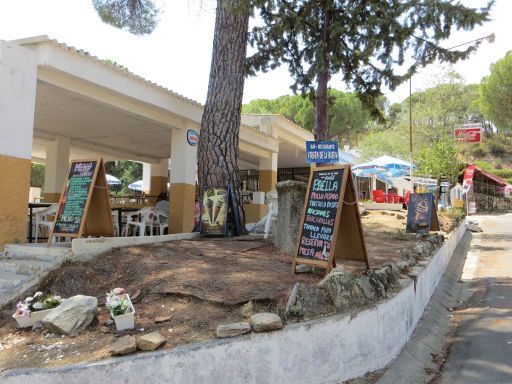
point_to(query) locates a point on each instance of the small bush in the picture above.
(478, 150)
(496, 149)
(503, 173)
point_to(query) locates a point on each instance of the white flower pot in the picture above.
(126, 321)
(34, 317)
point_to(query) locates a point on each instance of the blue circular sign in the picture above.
(192, 137)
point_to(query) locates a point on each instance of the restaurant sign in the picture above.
(322, 152)
(468, 133)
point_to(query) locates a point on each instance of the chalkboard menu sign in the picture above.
(321, 209)
(421, 213)
(84, 206)
(330, 228)
(74, 198)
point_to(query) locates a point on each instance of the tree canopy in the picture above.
(496, 93)
(363, 40)
(347, 116)
(139, 17)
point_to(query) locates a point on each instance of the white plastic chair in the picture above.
(44, 218)
(164, 221)
(149, 218)
(115, 222)
(272, 213)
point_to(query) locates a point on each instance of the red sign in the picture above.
(467, 134)
(468, 178)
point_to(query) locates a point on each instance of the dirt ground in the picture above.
(195, 285)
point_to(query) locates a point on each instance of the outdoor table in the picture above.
(31, 207)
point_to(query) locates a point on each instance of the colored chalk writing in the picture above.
(321, 208)
(74, 198)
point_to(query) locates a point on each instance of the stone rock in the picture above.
(38, 326)
(303, 268)
(339, 285)
(72, 316)
(123, 346)
(307, 302)
(291, 196)
(400, 217)
(233, 329)
(424, 248)
(151, 341)
(247, 309)
(265, 321)
(104, 329)
(135, 295)
(162, 319)
(402, 265)
(473, 226)
(366, 288)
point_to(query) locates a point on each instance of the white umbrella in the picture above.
(112, 180)
(136, 186)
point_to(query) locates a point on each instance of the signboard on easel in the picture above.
(330, 228)
(422, 213)
(84, 206)
(219, 213)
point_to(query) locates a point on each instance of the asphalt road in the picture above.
(481, 348)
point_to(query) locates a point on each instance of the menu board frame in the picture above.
(97, 218)
(431, 222)
(347, 241)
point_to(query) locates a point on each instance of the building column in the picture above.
(18, 79)
(159, 178)
(56, 169)
(146, 177)
(183, 181)
(268, 173)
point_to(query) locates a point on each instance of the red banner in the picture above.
(468, 178)
(468, 134)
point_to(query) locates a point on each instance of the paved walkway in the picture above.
(482, 348)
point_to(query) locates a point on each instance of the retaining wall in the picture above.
(327, 350)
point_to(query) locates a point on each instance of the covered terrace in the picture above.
(63, 104)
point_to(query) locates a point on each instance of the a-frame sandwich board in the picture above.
(330, 228)
(84, 205)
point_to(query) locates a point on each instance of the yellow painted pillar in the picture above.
(18, 78)
(159, 178)
(56, 168)
(268, 173)
(183, 181)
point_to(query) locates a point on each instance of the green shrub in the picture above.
(496, 149)
(503, 173)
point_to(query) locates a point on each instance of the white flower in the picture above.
(29, 299)
(37, 294)
(38, 305)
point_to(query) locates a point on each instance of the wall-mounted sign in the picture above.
(468, 133)
(322, 152)
(331, 228)
(422, 213)
(192, 137)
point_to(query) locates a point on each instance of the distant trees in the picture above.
(347, 117)
(363, 41)
(496, 93)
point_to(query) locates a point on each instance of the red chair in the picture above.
(378, 196)
(407, 194)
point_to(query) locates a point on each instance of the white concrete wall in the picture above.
(329, 350)
(18, 77)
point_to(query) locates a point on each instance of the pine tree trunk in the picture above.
(218, 142)
(321, 131)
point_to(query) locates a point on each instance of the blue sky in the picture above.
(177, 54)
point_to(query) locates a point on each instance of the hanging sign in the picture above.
(84, 206)
(322, 152)
(330, 228)
(219, 213)
(468, 133)
(422, 213)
